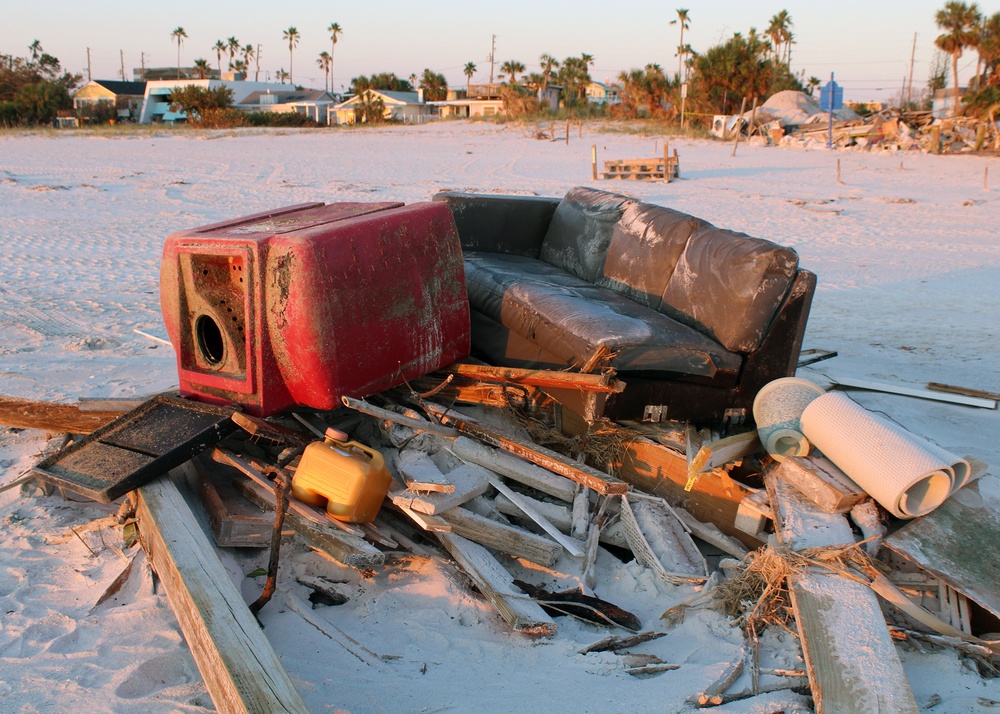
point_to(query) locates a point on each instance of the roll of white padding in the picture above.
(904, 472)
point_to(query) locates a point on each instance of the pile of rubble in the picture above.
(489, 480)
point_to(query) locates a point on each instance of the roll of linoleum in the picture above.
(777, 410)
(905, 473)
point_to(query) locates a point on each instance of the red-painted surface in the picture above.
(305, 304)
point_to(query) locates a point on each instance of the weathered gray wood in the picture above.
(420, 473)
(521, 613)
(514, 468)
(342, 547)
(850, 657)
(239, 666)
(469, 481)
(959, 542)
(572, 546)
(559, 516)
(818, 479)
(911, 392)
(499, 536)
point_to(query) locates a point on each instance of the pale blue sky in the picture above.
(866, 43)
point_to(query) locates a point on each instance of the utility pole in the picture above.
(142, 63)
(90, 77)
(256, 72)
(493, 51)
(122, 54)
(909, 86)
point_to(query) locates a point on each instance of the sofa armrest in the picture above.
(500, 224)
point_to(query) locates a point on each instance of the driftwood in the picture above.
(53, 417)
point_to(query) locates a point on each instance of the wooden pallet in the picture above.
(661, 167)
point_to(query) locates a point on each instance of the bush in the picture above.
(283, 119)
(220, 119)
(980, 103)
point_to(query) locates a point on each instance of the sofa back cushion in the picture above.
(580, 232)
(645, 246)
(729, 286)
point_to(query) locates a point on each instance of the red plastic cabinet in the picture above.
(305, 304)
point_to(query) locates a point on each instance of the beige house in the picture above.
(406, 107)
(126, 96)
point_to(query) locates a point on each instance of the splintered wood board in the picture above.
(958, 543)
(850, 657)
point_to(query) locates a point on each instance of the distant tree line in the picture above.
(34, 88)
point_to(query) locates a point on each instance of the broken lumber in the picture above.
(716, 454)
(470, 481)
(53, 417)
(851, 661)
(600, 383)
(661, 471)
(241, 670)
(342, 547)
(959, 542)
(590, 477)
(513, 541)
(911, 392)
(235, 522)
(421, 474)
(572, 546)
(520, 613)
(514, 468)
(819, 480)
(965, 391)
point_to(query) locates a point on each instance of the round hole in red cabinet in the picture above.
(210, 340)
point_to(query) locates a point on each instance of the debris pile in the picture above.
(490, 485)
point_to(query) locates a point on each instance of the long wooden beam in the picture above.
(239, 666)
(53, 417)
(602, 384)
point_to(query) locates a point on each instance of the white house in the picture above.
(156, 103)
(944, 100)
(407, 107)
(314, 103)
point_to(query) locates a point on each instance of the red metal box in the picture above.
(305, 304)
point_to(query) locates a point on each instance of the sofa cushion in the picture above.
(645, 246)
(569, 318)
(578, 236)
(729, 286)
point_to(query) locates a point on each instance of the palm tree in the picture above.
(435, 86)
(219, 48)
(323, 63)
(232, 47)
(178, 34)
(512, 68)
(281, 75)
(549, 63)
(335, 31)
(292, 35)
(959, 22)
(249, 52)
(202, 68)
(468, 71)
(36, 50)
(682, 20)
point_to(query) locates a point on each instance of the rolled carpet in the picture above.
(905, 473)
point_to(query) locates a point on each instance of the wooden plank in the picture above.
(470, 481)
(521, 614)
(718, 453)
(499, 536)
(911, 392)
(851, 660)
(819, 480)
(600, 383)
(966, 391)
(235, 521)
(572, 546)
(560, 517)
(53, 417)
(715, 498)
(342, 547)
(241, 670)
(959, 542)
(514, 468)
(420, 473)
(539, 455)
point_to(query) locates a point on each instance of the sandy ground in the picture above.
(908, 257)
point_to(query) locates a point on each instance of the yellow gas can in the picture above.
(349, 479)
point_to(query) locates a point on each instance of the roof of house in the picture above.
(401, 97)
(115, 86)
(305, 95)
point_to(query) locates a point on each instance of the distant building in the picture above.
(601, 93)
(156, 103)
(866, 107)
(147, 74)
(126, 96)
(944, 101)
(313, 103)
(407, 107)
